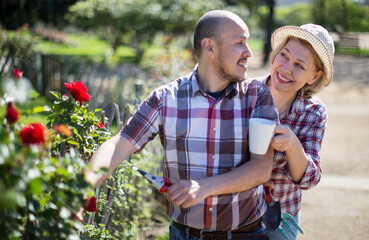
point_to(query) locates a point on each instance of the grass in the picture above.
(90, 45)
(352, 51)
(86, 45)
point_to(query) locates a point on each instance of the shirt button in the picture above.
(211, 209)
(213, 156)
(214, 129)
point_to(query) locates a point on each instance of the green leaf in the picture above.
(56, 94)
(35, 186)
(40, 109)
(62, 171)
(73, 142)
(9, 199)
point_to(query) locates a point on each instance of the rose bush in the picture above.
(42, 181)
(39, 192)
(86, 127)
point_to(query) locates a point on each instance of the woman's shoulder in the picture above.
(312, 105)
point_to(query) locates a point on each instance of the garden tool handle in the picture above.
(268, 194)
(166, 185)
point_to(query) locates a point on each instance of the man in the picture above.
(202, 120)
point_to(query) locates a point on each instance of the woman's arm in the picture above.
(286, 141)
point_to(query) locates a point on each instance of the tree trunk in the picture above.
(269, 28)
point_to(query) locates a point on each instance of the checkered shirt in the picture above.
(203, 137)
(307, 118)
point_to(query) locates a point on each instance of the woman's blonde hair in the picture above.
(306, 91)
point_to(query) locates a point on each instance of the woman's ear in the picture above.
(317, 75)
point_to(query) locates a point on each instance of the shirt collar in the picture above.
(298, 105)
(231, 91)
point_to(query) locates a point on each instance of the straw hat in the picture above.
(319, 39)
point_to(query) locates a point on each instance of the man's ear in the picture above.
(208, 45)
(316, 77)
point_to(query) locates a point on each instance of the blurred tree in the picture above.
(269, 29)
(318, 11)
(136, 22)
(15, 13)
(16, 50)
(341, 16)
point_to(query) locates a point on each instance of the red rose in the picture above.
(17, 74)
(100, 125)
(91, 205)
(33, 134)
(78, 92)
(12, 115)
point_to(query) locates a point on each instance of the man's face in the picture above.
(233, 51)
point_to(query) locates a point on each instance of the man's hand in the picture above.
(186, 193)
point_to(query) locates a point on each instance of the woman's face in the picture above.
(292, 68)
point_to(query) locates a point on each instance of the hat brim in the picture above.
(281, 34)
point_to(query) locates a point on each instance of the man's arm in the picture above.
(109, 155)
(187, 193)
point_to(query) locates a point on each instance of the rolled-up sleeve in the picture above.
(144, 125)
(312, 142)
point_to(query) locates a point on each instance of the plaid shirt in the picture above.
(307, 118)
(203, 137)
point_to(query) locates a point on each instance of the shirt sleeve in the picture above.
(265, 106)
(144, 125)
(311, 143)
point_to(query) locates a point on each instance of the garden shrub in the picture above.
(40, 192)
(42, 176)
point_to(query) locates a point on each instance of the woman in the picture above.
(301, 66)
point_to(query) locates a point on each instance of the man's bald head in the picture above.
(210, 26)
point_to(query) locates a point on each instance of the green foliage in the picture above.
(43, 186)
(84, 124)
(296, 15)
(357, 18)
(341, 16)
(40, 193)
(125, 201)
(136, 22)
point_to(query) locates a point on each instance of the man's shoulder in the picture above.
(175, 85)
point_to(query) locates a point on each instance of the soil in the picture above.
(338, 207)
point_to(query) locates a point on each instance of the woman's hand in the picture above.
(284, 139)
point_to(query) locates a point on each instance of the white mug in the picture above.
(261, 131)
